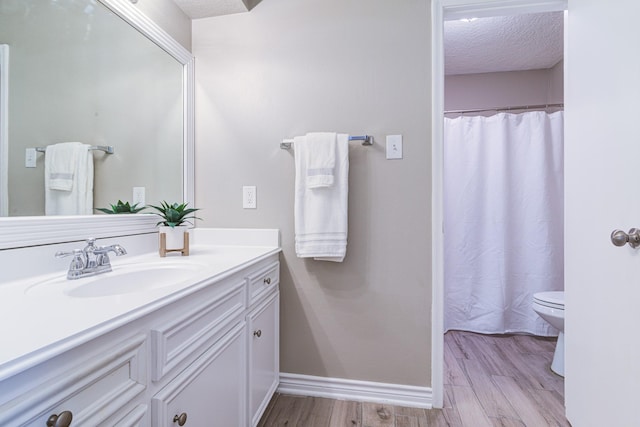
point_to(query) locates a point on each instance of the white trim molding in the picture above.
(25, 231)
(459, 9)
(361, 391)
(437, 188)
(445, 10)
(4, 129)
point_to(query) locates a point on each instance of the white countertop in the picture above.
(36, 326)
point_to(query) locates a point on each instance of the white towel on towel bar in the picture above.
(68, 179)
(321, 213)
(60, 165)
(320, 158)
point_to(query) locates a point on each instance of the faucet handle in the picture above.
(78, 262)
(62, 254)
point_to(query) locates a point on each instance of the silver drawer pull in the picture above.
(63, 419)
(180, 419)
(257, 333)
(267, 280)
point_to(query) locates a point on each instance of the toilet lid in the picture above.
(550, 299)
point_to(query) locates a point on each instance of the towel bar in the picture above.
(106, 148)
(366, 140)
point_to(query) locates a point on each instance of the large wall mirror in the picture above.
(101, 73)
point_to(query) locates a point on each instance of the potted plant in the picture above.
(121, 208)
(174, 226)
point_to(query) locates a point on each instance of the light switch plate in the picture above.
(394, 147)
(30, 158)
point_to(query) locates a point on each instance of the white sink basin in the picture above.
(124, 279)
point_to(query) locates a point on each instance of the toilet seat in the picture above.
(550, 299)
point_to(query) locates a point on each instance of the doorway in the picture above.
(447, 10)
(503, 171)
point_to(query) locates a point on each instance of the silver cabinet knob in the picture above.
(180, 419)
(619, 237)
(63, 419)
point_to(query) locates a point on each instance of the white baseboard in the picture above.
(362, 391)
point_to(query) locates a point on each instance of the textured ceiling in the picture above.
(196, 9)
(507, 43)
(484, 45)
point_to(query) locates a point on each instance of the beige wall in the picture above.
(505, 89)
(291, 67)
(170, 17)
(556, 84)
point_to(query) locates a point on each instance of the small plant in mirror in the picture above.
(174, 214)
(121, 208)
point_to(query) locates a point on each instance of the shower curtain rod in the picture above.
(519, 107)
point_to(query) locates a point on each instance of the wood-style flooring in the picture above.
(490, 381)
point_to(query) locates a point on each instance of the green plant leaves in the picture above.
(174, 214)
(121, 208)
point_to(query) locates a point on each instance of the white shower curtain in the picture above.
(503, 226)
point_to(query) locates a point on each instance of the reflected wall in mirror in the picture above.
(78, 72)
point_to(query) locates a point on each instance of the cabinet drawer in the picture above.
(211, 391)
(94, 389)
(262, 281)
(197, 326)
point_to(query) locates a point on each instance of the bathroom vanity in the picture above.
(156, 342)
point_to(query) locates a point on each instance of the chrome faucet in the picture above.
(91, 260)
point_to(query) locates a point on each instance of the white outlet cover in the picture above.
(138, 196)
(249, 197)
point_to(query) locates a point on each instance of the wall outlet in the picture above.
(138, 196)
(249, 197)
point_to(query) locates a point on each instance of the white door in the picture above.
(602, 190)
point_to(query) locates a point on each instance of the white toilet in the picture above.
(550, 306)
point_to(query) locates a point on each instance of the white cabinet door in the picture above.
(264, 363)
(211, 391)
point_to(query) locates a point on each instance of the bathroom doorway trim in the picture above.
(4, 129)
(441, 11)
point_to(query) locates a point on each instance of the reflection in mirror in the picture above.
(78, 72)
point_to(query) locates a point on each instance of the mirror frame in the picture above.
(4, 129)
(16, 232)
